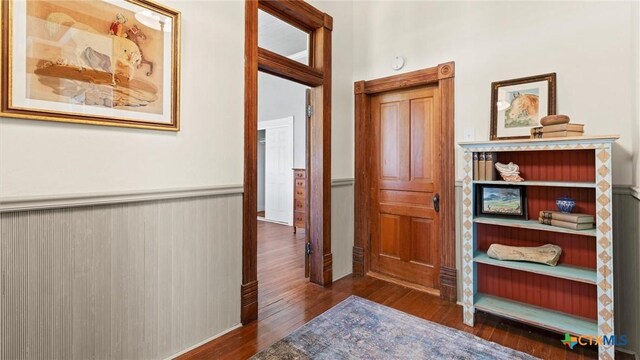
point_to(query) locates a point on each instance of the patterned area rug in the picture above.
(360, 329)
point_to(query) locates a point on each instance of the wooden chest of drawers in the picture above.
(299, 198)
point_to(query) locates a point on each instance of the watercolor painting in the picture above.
(517, 105)
(503, 201)
(523, 110)
(112, 60)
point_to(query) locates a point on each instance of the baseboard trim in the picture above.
(24, 203)
(237, 326)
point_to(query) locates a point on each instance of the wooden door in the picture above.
(405, 226)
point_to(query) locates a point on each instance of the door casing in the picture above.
(443, 77)
(317, 75)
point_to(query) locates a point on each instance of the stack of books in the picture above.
(567, 221)
(557, 130)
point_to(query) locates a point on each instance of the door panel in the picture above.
(278, 174)
(390, 235)
(405, 234)
(390, 141)
(422, 241)
(421, 136)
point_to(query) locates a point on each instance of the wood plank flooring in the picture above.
(287, 301)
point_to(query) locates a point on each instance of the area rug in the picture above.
(360, 329)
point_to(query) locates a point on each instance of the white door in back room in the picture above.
(278, 169)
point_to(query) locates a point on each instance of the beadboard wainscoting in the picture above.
(342, 223)
(141, 275)
(139, 280)
(626, 234)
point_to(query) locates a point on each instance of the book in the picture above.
(536, 132)
(566, 224)
(573, 218)
(563, 127)
(490, 171)
(475, 166)
(481, 166)
(561, 134)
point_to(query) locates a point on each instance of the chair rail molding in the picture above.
(25, 203)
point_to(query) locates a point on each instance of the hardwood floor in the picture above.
(288, 300)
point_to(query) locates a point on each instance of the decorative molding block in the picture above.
(448, 283)
(446, 70)
(249, 302)
(358, 261)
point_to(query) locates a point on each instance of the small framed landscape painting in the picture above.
(501, 201)
(517, 105)
(104, 62)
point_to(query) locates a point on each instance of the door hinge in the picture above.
(307, 248)
(309, 110)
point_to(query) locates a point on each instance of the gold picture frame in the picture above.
(113, 63)
(533, 92)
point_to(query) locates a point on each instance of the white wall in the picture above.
(40, 158)
(43, 158)
(46, 159)
(342, 125)
(635, 14)
(261, 169)
(586, 43)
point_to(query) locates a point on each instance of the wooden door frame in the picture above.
(442, 76)
(316, 75)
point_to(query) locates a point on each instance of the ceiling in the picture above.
(278, 36)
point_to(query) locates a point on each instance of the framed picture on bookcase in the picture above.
(501, 201)
(517, 105)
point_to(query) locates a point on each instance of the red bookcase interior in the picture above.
(577, 250)
(570, 297)
(559, 165)
(544, 198)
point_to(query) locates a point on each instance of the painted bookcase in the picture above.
(574, 297)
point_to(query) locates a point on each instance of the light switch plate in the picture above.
(468, 134)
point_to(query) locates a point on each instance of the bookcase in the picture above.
(574, 297)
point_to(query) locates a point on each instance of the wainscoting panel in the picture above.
(626, 267)
(141, 280)
(342, 222)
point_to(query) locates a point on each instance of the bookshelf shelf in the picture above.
(531, 224)
(565, 298)
(568, 184)
(568, 272)
(534, 315)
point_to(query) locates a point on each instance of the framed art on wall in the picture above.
(517, 105)
(104, 62)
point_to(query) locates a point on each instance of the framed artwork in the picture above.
(517, 105)
(104, 62)
(501, 201)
